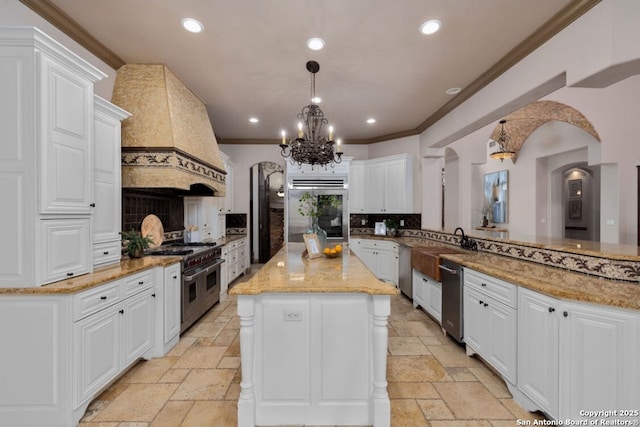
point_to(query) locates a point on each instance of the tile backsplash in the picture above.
(136, 205)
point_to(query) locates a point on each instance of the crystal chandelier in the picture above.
(505, 150)
(311, 146)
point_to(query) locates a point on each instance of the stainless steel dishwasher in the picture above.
(451, 275)
(405, 278)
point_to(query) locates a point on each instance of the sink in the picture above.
(426, 259)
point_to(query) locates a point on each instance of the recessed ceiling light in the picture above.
(371, 121)
(316, 100)
(315, 43)
(453, 90)
(192, 25)
(430, 27)
(254, 120)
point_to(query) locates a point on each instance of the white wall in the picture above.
(13, 13)
(409, 144)
(597, 64)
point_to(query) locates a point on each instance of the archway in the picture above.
(267, 210)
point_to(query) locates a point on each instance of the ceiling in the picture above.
(250, 59)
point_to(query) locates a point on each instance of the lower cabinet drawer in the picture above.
(138, 282)
(95, 299)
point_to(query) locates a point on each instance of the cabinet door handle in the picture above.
(121, 311)
(175, 277)
(93, 205)
(551, 309)
(105, 253)
(153, 295)
(424, 279)
(141, 282)
(483, 284)
(480, 302)
(70, 274)
(103, 298)
(565, 314)
(486, 305)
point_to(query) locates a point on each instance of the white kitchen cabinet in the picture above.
(574, 356)
(110, 340)
(66, 148)
(107, 216)
(538, 354)
(46, 117)
(237, 261)
(203, 212)
(390, 185)
(490, 321)
(427, 293)
(379, 256)
(226, 202)
(64, 248)
(598, 360)
(78, 343)
(356, 187)
(171, 301)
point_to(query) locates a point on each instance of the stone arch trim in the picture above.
(523, 122)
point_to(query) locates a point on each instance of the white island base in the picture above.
(313, 359)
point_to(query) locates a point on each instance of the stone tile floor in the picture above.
(431, 380)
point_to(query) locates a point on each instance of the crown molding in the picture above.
(553, 26)
(574, 10)
(54, 15)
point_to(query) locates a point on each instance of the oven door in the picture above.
(200, 291)
(333, 219)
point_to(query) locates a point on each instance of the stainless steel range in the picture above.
(201, 277)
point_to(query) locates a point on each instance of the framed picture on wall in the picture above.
(575, 188)
(575, 209)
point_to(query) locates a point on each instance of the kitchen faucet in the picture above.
(465, 241)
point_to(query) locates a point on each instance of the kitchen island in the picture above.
(313, 342)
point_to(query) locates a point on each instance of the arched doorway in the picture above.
(580, 189)
(266, 210)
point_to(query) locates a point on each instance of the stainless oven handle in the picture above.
(448, 270)
(205, 271)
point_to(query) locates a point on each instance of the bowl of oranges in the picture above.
(333, 252)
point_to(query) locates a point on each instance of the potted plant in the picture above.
(135, 243)
(310, 206)
(392, 226)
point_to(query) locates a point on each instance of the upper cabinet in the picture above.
(225, 204)
(385, 185)
(47, 158)
(107, 192)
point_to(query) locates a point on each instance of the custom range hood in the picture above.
(168, 144)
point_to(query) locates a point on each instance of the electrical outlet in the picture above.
(292, 315)
(402, 223)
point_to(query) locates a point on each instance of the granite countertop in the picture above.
(552, 281)
(231, 238)
(99, 276)
(289, 272)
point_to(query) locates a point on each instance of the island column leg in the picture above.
(247, 400)
(381, 403)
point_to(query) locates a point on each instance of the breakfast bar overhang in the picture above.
(313, 342)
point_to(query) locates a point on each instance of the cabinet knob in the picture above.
(565, 314)
(486, 305)
(551, 309)
(121, 311)
(93, 205)
(141, 283)
(424, 279)
(480, 302)
(483, 284)
(153, 295)
(105, 253)
(175, 277)
(70, 274)
(103, 298)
